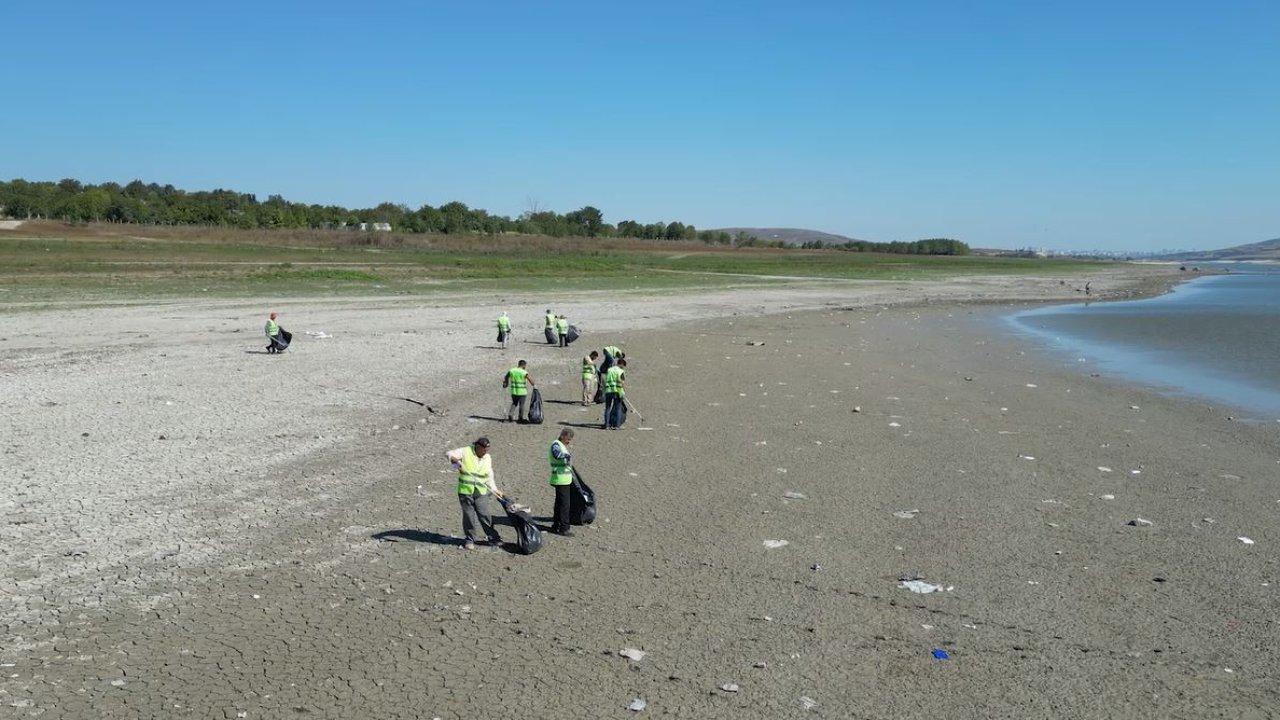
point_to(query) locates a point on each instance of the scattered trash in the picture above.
(632, 654)
(760, 665)
(1135, 472)
(808, 703)
(1031, 385)
(857, 408)
(1108, 497)
(1027, 457)
(793, 495)
(1245, 540)
(940, 654)
(894, 424)
(756, 343)
(1103, 469)
(318, 334)
(638, 705)
(774, 544)
(1134, 407)
(920, 587)
(906, 514)
(730, 687)
(1139, 522)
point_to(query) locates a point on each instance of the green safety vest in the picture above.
(473, 477)
(613, 378)
(588, 368)
(551, 319)
(273, 329)
(516, 381)
(504, 324)
(561, 472)
(562, 326)
(613, 352)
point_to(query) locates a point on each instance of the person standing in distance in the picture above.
(562, 330)
(504, 331)
(614, 380)
(589, 378)
(475, 481)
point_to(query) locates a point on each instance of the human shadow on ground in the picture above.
(489, 347)
(435, 538)
(494, 419)
(563, 402)
(589, 426)
(260, 352)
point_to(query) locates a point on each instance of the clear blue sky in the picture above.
(1066, 124)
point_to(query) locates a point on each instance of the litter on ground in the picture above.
(920, 587)
(632, 654)
(1140, 522)
(637, 705)
(906, 514)
(1245, 540)
(774, 544)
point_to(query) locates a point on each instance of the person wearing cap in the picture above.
(273, 332)
(475, 481)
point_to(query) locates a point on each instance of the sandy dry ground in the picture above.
(192, 529)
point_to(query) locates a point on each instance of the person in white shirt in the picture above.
(475, 481)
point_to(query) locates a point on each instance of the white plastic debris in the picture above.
(1031, 385)
(894, 424)
(1102, 468)
(632, 654)
(318, 334)
(775, 544)
(1245, 540)
(807, 703)
(906, 514)
(1141, 522)
(730, 687)
(638, 705)
(793, 495)
(1108, 497)
(920, 587)
(1027, 457)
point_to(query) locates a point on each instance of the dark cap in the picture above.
(482, 442)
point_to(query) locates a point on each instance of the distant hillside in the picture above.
(790, 236)
(1265, 250)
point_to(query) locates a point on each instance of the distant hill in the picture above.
(1265, 250)
(791, 236)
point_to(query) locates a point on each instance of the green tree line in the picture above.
(153, 204)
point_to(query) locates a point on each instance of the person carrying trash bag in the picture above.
(562, 330)
(504, 331)
(275, 340)
(560, 480)
(518, 381)
(589, 378)
(550, 328)
(475, 481)
(615, 409)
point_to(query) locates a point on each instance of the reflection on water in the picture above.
(1217, 337)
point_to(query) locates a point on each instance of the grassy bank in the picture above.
(49, 262)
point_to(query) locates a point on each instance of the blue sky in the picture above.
(1131, 125)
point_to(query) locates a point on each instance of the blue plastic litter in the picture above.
(940, 654)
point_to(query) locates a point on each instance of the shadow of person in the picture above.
(411, 535)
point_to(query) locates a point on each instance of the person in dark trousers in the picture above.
(614, 382)
(518, 381)
(562, 330)
(561, 479)
(475, 481)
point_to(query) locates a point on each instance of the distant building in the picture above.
(379, 227)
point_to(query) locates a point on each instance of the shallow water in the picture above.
(1217, 337)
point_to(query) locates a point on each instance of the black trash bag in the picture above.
(617, 415)
(528, 536)
(572, 335)
(500, 333)
(582, 501)
(535, 407)
(604, 366)
(551, 336)
(281, 341)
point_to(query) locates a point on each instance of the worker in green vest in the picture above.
(615, 391)
(550, 328)
(589, 377)
(475, 481)
(518, 381)
(504, 331)
(562, 330)
(273, 332)
(561, 478)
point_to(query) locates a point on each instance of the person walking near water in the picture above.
(504, 331)
(589, 378)
(615, 392)
(475, 481)
(518, 381)
(560, 480)
(562, 330)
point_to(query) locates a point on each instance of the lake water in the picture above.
(1216, 337)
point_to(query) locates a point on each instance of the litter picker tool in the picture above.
(419, 403)
(632, 408)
